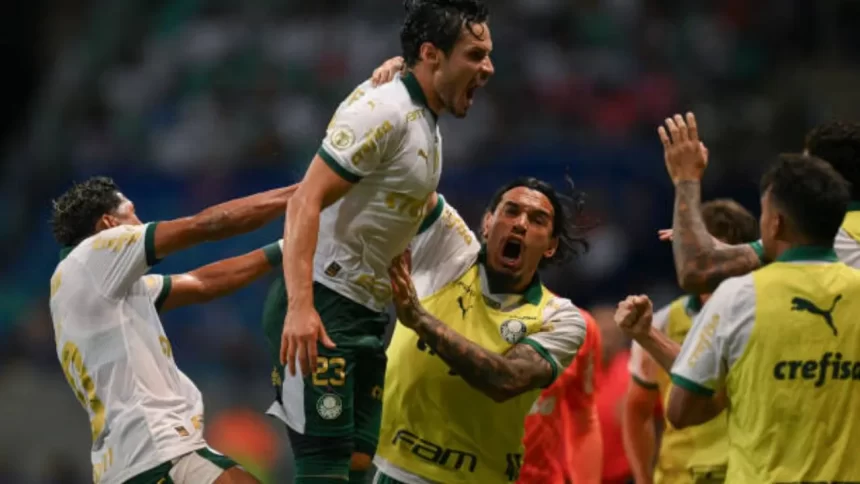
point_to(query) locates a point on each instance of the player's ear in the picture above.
(553, 247)
(107, 221)
(485, 225)
(430, 54)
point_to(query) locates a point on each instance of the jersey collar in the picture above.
(854, 206)
(532, 294)
(65, 251)
(694, 304)
(808, 252)
(415, 92)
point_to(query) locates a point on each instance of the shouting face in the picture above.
(467, 68)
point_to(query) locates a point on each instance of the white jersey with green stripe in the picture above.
(386, 141)
(115, 355)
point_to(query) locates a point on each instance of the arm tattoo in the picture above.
(500, 377)
(701, 263)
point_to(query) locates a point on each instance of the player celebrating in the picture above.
(562, 437)
(478, 337)
(701, 262)
(146, 415)
(375, 175)
(778, 346)
(696, 454)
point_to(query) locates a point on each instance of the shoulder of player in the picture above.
(561, 312)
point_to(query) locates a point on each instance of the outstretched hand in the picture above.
(685, 155)
(634, 316)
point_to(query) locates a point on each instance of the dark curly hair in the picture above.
(76, 212)
(438, 22)
(811, 193)
(838, 143)
(569, 224)
(729, 221)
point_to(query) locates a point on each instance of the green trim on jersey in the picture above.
(434, 214)
(693, 305)
(416, 93)
(273, 254)
(758, 248)
(336, 167)
(149, 244)
(545, 355)
(854, 206)
(691, 386)
(166, 286)
(65, 251)
(645, 384)
(809, 252)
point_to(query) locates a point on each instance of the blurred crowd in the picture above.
(189, 102)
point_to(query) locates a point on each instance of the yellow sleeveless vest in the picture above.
(795, 389)
(687, 455)
(433, 423)
(851, 224)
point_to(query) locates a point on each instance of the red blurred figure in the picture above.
(562, 440)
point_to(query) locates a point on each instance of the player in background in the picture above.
(697, 454)
(477, 337)
(146, 415)
(563, 439)
(779, 347)
(376, 176)
(702, 262)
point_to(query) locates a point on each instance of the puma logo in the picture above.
(423, 154)
(463, 308)
(801, 304)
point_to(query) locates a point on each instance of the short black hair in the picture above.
(439, 22)
(76, 212)
(838, 143)
(569, 224)
(729, 221)
(811, 193)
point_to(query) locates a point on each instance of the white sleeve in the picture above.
(157, 288)
(118, 257)
(561, 335)
(361, 134)
(443, 249)
(718, 337)
(642, 370)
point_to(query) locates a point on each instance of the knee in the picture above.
(360, 462)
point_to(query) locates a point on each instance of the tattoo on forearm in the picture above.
(699, 262)
(498, 376)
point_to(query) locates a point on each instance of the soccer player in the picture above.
(477, 339)
(779, 347)
(700, 261)
(375, 175)
(697, 454)
(146, 415)
(562, 437)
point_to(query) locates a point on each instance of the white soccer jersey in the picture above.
(387, 142)
(116, 357)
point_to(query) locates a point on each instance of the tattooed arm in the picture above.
(702, 262)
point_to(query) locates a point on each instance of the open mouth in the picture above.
(470, 92)
(511, 251)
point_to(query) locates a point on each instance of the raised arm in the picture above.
(220, 221)
(218, 279)
(701, 262)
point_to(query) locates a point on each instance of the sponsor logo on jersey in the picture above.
(430, 452)
(181, 431)
(329, 406)
(333, 269)
(342, 138)
(513, 330)
(805, 305)
(829, 367)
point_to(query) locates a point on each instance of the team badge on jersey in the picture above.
(342, 138)
(513, 330)
(333, 269)
(329, 406)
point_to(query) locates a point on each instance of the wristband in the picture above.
(274, 253)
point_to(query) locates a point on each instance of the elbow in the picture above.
(693, 281)
(499, 395)
(677, 419)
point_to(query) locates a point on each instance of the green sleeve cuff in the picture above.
(691, 386)
(149, 244)
(434, 214)
(273, 254)
(545, 355)
(166, 286)
(337, 167)
(759, 249)
(644, 384)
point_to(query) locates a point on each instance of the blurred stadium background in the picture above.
(190, 102)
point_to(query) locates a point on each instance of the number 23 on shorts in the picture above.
(330, 372)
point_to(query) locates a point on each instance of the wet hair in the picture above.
(729, 221)
(76, 212)
(439, 22)
(838, 143)
(810, 193)
(569, 224)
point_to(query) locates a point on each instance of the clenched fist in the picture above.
(634, 316)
